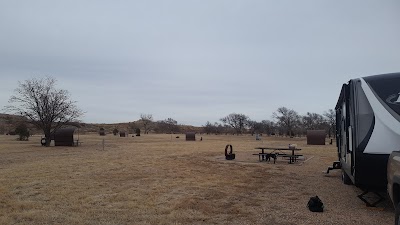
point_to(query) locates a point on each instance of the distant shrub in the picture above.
(102, 132)
(22, 131)
(115, 131)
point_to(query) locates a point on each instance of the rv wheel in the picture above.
(345, 178)
(397, 218)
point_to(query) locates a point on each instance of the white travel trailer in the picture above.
(368, 128)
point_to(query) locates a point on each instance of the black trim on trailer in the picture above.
(365, 141)
(386, 89)
(371, 170)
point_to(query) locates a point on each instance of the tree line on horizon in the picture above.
(287, 122)
(48, 109)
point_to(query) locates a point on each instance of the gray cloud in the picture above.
(197, 60)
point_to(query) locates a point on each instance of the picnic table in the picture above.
(278, 151)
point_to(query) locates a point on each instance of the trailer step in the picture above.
(336, 165)
(378, 198)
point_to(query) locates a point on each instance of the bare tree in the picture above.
(172, 125)
(43, 105)
(167, 126)
(208, 128)
(288, 119)
(330, 117)
(214, 128)
(313, 121)
(268, 127)
(147, 121)
(236, 121)
(219, 128)
(254, 126)
(132, 126)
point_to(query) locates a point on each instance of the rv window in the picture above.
(344, 110)
(343, 141)
(350, 147)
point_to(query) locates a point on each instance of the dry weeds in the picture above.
(158, 179)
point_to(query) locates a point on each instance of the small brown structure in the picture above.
(316, 137)
(229, 155)
(190, 136)
(137, 130)
(122, 134)
(64, 137)
(102, 132)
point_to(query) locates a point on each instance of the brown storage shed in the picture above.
(64, 137)
(190, 136)
(316, 137)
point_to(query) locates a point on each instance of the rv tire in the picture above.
(345, 178)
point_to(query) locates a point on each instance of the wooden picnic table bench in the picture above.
(278, 151)
(266, 156)
(292, 158)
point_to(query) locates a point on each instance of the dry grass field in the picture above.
(159, 179)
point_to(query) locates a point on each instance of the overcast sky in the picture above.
(197, 61)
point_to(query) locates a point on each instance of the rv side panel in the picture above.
(368, 128)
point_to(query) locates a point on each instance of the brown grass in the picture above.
(158, 179)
